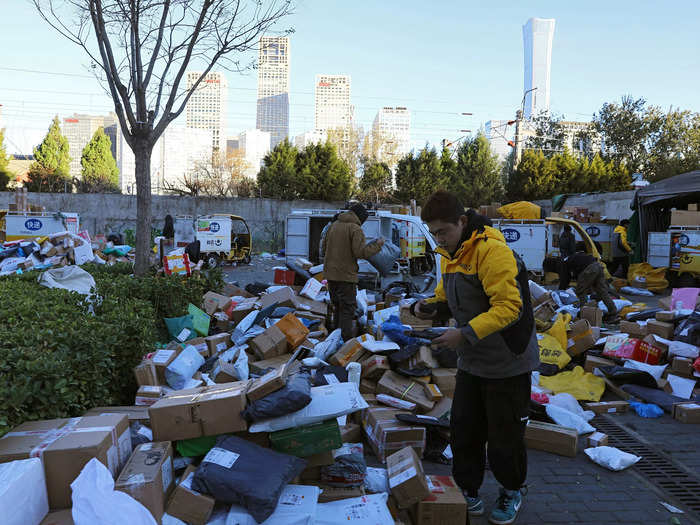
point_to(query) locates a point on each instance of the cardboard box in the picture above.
(187, 504)
(308, 440)
(593, 362)
(134, 413)
(386, 435)
(148, 477)
(593, 315)
(445, 503)
(351, 433)
(197, 412)
(162, 359)
(218, 343)
(685, 218)
(404, 388)
(374, 366)
(666, 316)
(442, 409)
(657, 342)
(242, 309)
(686, 412)
(270, 382)
(692, 207)
(597, 439)
(214, 302)
(414, 322)
(271, 343)
(423, 359)
(145, 373)
(660, 328)
(545, 311)
(406, 477)
(682, 366)
(293, 329)
(147, 395)
(59, 517)
(551, 438)
(223, 372)
(66, 445)
(580, 338)
(283, 297)
(200, 344)
(367, 387)
(433, 392)
(351, 351)
(337, 493)
(608, 407)
(446, 380)
(264, 366)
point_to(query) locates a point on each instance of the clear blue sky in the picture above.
(438, 59)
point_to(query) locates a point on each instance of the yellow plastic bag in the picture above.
(644, 275)
(520, 210)
(582, 385)
(558, 329)
(636, 307)
(551, 352)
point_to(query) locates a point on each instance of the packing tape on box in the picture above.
(207, 390)
(50, 436)
(408, 388)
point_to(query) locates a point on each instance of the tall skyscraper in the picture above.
(538, 34)
(207, 106)
(79, 130)
(393, 126)
(309, 137)
(332, 102)
(273, 88)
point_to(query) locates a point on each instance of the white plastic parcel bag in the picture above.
(327, 348)
(567, 419)
(23, 497)
(366, 510)
(611, 458)
(296, 506)
(181, 370)
(96, 501)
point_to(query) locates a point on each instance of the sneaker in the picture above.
(475, 506)
(507, 507)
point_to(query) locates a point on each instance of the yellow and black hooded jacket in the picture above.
(620, 247)
(486, 289)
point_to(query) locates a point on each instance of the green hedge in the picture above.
(57, 359)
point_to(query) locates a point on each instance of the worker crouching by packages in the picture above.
(342, 246)
(484, 287)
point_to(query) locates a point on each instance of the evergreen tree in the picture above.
(375, 183)
(100, 172)
(5, 175)
(477, 175)
(570, 177)
(323, 174)
(417, 176)
(51, 166)
(278, 176)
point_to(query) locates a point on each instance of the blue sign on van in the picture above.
(593, 231)
(683, 240)
(511, 235)
(33, 224)
(214, 227)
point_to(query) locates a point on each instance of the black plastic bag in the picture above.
(330, 374)
(238, 472)
(688, 331)
(256, 288)
(404, 353)
(628, 376)
(445, 357)
(295, 395)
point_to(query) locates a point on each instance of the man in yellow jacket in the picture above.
(621, 250)
(484, 287)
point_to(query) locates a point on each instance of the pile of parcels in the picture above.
(650, 363)
(580, 215)
(254, 413)
(53, 251)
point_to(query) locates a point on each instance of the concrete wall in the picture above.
(105, 213)
(611, 205)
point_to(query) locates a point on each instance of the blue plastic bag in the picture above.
(646, 410)
(395, 330)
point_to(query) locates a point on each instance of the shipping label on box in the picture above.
(218, 343)
(162, 359)
(148, 476)
(374, 367)
(407, 481)
(147, 395)
(197, 412)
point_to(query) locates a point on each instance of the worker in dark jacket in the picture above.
(342, 246)
(590, 279)
(567, 242)
(484, 287)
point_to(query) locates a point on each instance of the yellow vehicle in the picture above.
(556, 225)
(223, 238)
